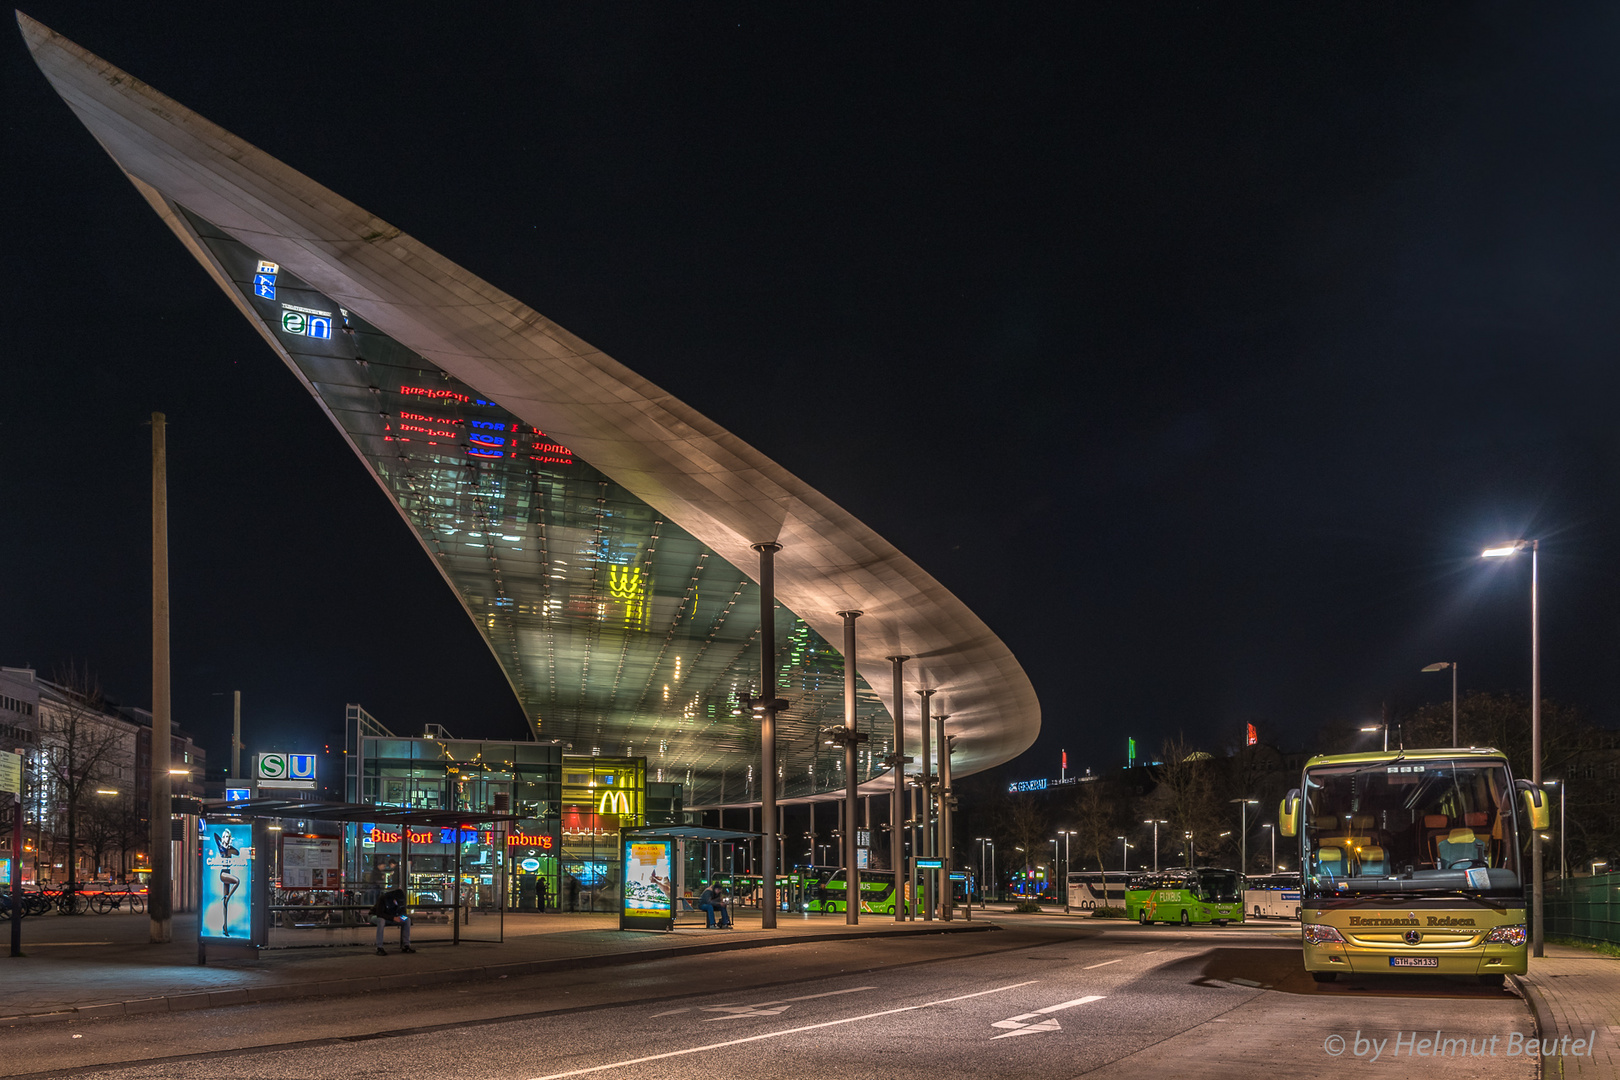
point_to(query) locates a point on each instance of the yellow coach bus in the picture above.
(1411, 861)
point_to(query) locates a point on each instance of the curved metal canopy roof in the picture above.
(668, 494)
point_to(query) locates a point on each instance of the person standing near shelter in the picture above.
(390, 908)
(540, 894)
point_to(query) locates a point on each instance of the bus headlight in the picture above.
(1322, 934)
(1506, 935)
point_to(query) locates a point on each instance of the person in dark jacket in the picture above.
(389, 909)
(713, 900)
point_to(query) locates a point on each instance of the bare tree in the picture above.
(1024, 822)
(81, 747)
(1186, 795)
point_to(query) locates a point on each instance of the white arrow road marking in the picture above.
(784, 1031)
(1028, 1023)
(771, 1008)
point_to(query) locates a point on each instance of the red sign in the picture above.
(1254, 736)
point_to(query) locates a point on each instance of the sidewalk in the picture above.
(1575, 992)
(103, 965)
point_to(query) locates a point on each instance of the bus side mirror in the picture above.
(1288, 814)
(1535, 805)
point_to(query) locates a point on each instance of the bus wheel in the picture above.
(1142, 918)
(1324, 976)
(1185, 920)
(1496, 979)
(1257, 911)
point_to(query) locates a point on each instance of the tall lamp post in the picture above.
(1054, 868)
(1067, 866)
(1188, 838)
(1380, 727)
(1452, 664)
(1124, 856)
(1503, 551)
(1243, 832)
(1155, 822)
(1563, 796)
(983, 842)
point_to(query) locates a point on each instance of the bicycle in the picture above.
(104, 902)
(69, 902)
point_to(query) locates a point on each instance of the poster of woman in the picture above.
(227, 883)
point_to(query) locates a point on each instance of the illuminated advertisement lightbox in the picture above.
(648, 885)
(227, 883)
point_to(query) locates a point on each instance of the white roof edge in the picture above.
(710, 482)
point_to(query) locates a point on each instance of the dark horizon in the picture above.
(1199, 353)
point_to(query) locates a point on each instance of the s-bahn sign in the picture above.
(285, 770)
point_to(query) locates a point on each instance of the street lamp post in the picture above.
(1563, 797)
(1124, 857)
(1243, 832)
(1187, 837)
(1272, 829)
(1380, 727)
(1503, 551)
(1155, 822)
(1067, 866)
(1452, 664)
(1054, 867)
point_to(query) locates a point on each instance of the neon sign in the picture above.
(613, 802)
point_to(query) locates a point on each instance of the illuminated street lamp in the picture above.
(1273, 831)
(1380, 727)
(1067, 866)
(1452, 664)
(1243, 831)
(1124, 855)
(1187, 838)
(1155, 822)
(1503, 551)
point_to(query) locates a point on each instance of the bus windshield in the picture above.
(1406, 825)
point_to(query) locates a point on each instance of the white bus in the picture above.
(1090, 890)
(1272, 896)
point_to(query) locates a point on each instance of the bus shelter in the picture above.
(284, 873)
(660, 864)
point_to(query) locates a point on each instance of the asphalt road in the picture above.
(1042, 998)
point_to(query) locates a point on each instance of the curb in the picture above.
(1541, 1014)
(402, 980)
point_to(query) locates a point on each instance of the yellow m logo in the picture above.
(613, 802)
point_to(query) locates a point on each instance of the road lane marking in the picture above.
(771, 1008)
(1105, 963)
(1028, 1024)
(785, 1031)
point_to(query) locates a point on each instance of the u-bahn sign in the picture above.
(285, 770)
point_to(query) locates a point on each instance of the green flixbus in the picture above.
(1201, 895)
(1413, 861)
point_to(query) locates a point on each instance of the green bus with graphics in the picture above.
(1202, 895)
(1413, 861)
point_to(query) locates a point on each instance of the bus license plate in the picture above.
(1414, 961)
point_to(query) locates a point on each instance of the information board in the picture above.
(648, 902)
(228, 912)
(311, 863)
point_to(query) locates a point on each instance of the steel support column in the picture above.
(897, 811)
(852, 876)
(927, 819)
(767, 730)
(945, 890)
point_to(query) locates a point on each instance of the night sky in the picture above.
(1198, 348)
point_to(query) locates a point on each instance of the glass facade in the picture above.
(563, 851)
(620, 633)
